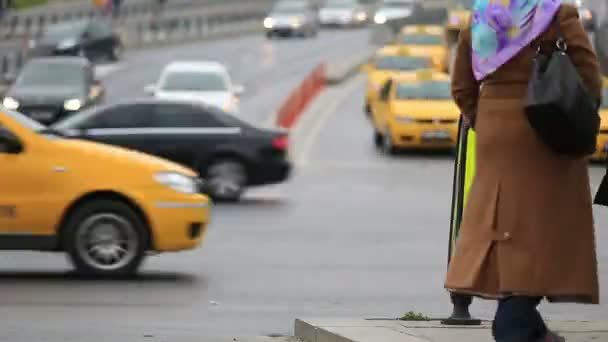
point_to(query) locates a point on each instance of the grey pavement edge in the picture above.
(339, 70)
(361, 330)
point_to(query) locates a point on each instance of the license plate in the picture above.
(42, 115)
(435, 135)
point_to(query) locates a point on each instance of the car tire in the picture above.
(226, 179)
(387, 145)
(117, 52)
(378, 139)
(125, 234)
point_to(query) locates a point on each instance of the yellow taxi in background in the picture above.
(459, 15)
(601, 151)
(426, 41)
(415, 110)
(387, 62)
(106, 207)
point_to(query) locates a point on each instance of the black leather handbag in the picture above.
(560, 108)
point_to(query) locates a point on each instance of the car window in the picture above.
(122, 116)
(64, 31)
(24, 120)
(341, 3)
(421, 39)
(193, 81)
(291, 6)
(429, 90)
(184, 116)
(38, 74)
(402, 63)
(99, 30)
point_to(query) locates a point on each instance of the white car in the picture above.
(395, 9)
(344, 13)
(205, 82)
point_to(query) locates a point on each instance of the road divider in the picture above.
(339, 70)
(300, 97)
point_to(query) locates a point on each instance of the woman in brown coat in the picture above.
(527, 231)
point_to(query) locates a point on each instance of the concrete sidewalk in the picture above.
(361, 330)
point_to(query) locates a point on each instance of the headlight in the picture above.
(230, 105)
(10, 103)
(177, 182)
(67, 44)
(296, 22)
(404, 119)
(380, 18)
(361, 16)
(72, 105)
(268, 23)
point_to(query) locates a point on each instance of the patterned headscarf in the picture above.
(501, 28)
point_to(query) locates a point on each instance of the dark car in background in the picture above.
(51, 88)
(293, 18)
(228, 153)
(90, 38)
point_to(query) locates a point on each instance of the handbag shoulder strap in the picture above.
(556, 41)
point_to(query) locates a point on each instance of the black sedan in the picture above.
(48, 89)
(91, 38)
(227, 152)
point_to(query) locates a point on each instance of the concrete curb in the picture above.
(360, 330)
(340, 70)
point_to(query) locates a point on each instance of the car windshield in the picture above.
(402, 63)
(63, 31)
(51, 74)
(462, 4)
(428, 90)
(193, 81)
(340, 3)
(290, 7)
(77, 120)
(420, 39)
(398, 4)
(25, 121)
(605, 99)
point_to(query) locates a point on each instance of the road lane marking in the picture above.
(303, 158)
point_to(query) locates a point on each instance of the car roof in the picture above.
(155, 101)
(423, 29)
(81, 61)
(196, 66)
(421, 75)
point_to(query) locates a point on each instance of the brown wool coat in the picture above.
(527, 227)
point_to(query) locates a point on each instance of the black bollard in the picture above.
(460, 302)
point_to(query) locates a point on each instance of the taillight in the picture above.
(280, 143)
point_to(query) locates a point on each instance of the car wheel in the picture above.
(105, 238)
(226, 180)
(378, 139)
(117, 52)
(387, 144)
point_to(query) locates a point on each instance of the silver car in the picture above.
(292, 18)
(346, 13)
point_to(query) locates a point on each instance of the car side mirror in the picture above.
(9, 143)
(150, 89)
(238, 90)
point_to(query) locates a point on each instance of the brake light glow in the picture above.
(280, 143)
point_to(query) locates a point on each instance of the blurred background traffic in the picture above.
(324, 131)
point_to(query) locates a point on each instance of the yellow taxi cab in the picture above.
(426, 41)
(415, 110)
(601, 151)
(387, 62)
(104, 206)
(459, 14)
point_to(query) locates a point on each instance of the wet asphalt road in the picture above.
(353, 234)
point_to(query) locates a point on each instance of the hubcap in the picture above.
(107, 241)
(226, 179)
